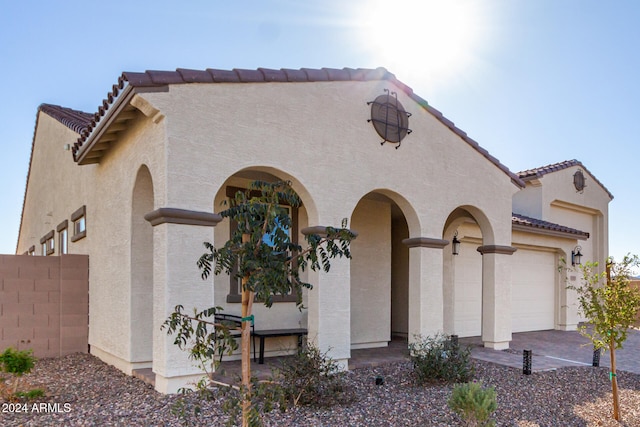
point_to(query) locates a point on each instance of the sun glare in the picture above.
(431, 40)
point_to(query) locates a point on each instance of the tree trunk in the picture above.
(614, 380)
(245, 346)
(612, 352)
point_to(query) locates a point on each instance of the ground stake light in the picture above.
(526, 362)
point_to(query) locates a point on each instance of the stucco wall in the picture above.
(333, 154)
(371, 275)
(56, 187)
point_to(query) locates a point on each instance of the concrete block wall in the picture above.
(44, 304)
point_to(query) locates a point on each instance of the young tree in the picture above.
(610, 306)
(268, 264)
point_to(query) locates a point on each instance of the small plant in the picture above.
(31, 394)
(17, 363)
(312, 378)
(474, 404)
(439, 359)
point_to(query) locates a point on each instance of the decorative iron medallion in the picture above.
(579, 181)
(389, 118)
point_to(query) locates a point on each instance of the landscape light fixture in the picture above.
(576, 256)
(455, 244)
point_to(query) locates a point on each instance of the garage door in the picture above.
(533, 293)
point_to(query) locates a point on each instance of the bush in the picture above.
(474, 404)
(312, 378)
(17, 363)
(438, 359)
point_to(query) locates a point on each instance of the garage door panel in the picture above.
(533, 292)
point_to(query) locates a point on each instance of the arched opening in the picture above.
(227, 288)
(379, 272)
(142, 271)
(463, 287)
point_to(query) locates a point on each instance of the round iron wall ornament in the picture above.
(389, 118)
(579, 181)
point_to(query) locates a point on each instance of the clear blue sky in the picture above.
(534, 82)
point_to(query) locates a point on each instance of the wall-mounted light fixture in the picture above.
(576, 256)
(455, 244)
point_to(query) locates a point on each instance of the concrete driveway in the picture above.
(555, 349)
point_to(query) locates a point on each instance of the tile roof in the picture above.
(150, 79)
(529, 174)
(525, 221)
(75, 120)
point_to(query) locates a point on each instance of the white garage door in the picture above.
(533, 293)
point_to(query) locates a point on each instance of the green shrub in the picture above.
(474, 404)
(312, 378)
(438, 359)
(17, 362)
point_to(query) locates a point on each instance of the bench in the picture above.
(235, 323)
(272, 333)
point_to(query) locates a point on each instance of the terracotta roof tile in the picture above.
(315, 75)
(295, 75)
(180, 76)
(271, 75)
(526, 221)
(249, 76)
(224, 76)
(195, 76)
(529, 174)
(75, 120)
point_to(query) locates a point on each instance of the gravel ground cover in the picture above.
(96, 394)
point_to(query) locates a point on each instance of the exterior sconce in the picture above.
(455, 244)
(576, 256)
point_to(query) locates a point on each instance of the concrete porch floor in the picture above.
(551, 350)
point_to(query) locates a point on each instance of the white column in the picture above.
(178, 236)
(426, 297)
(329, 317)
(496, 296)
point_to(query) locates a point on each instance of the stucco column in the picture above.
(426, 304)
(329, 315)
(177, 237)
(569, 316)
(496, 296)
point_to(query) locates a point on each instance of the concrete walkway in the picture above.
(557, 349)
(551, 350)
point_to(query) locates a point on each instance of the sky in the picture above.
(534, 82)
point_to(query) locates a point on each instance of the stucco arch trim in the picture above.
(300, 189)
(464, 212)
(497, 249)
(182, 216)
(425, 242)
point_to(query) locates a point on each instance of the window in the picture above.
(235, 283)
(32, 250)
(48, 243)
(63, 237)
(79, 224)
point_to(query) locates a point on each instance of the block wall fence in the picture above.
(44, 304)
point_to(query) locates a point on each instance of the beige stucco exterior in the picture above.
(184, 145)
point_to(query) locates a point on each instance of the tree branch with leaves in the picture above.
(611, 306)
(268, 263)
